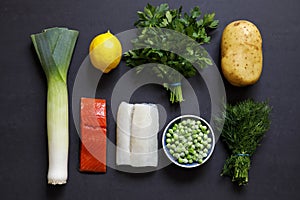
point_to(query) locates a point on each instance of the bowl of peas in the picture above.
(188, 141)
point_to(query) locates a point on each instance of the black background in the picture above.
(23, 146)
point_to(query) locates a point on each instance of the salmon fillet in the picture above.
(93, 135)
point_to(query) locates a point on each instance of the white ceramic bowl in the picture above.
(177, 120)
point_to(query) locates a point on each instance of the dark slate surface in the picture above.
(23, 146)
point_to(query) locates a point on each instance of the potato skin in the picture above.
(241, 53)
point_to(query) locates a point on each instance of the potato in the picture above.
(241, 53)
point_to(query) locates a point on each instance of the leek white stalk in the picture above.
(58, 133)
(54, 48)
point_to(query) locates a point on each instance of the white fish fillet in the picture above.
(137, 128)
(144, 130)
(124, 118)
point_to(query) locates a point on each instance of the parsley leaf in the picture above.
(190, 24)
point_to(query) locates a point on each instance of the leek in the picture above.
(54, 47)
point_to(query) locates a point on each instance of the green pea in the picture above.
(191, 151)
(195, 158)
(179, 150)
(175, 136)
(170, 130)
(169, 135)
(200, 156)
(168, 140)
(181, 137)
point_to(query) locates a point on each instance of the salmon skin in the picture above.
(93, 135)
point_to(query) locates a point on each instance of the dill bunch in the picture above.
(244, 127)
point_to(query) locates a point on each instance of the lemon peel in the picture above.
(105, 52)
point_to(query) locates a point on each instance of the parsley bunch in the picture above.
(244, 127)
(171, 67)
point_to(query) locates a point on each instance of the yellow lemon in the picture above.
(105, 52)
